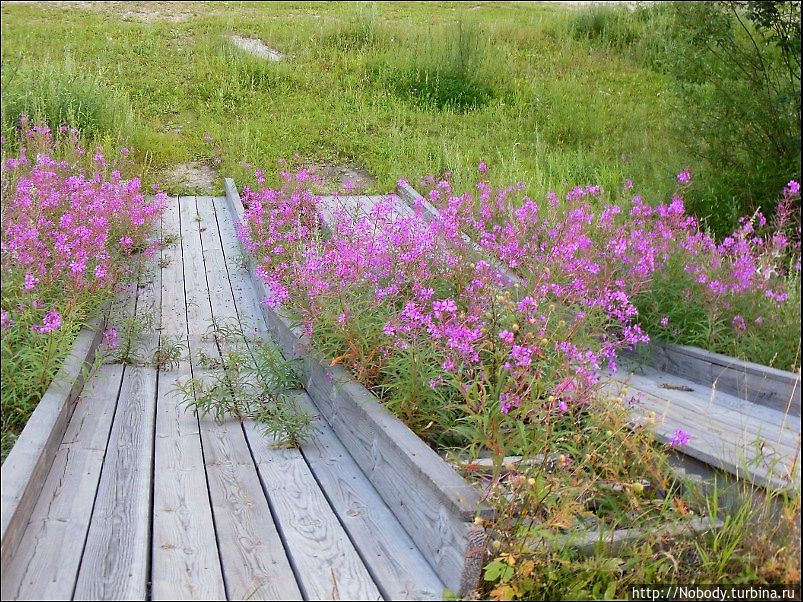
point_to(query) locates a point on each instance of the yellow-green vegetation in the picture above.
(399, 89)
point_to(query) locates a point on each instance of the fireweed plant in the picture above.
(72, 229)
(457, 344)
(486, 329)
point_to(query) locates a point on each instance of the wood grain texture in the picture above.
(27, 465)
(185, 561)
(328, 566)
(776, 389)
(45, 565)
(739, 452)
(398, 568)
(729, 412)
(254, 563)
(115, 562)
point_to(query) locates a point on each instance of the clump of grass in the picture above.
(59, 93)
(250, 380)
(445, 72)
(361, 33)
(608, 25)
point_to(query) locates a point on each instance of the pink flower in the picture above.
(679, 438)
(5, 320)
(482, 167)
(684, 177)
(110, 338)
(30, 281)
(506, 336)
(51, 322)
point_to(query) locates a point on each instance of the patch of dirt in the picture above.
(341, 177)
(144, 12)
(257, 47)
(193, 176)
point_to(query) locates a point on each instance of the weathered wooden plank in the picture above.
(715, 444)
(45, 564)
(328, 566)
(27, 465)
(186, 565)
(614, 540)
(776, 389)
(398, 568)
(185, 561)
(254, 563)
(115, 562)
(199, 313)
(728, 412)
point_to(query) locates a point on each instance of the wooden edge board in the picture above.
(615, 539)
(459, 501)
(759, 384)
(24, 471)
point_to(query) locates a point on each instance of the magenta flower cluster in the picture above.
(543, 290)
(65, 229)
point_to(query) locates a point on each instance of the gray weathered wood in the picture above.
(428, 497)
(612, 541)
(254, 562)
(45, 564)
(398, 568)
(328, 566)
(762, 385)
(185, 561)
(728, 411)
(719, 445)
(27, 465)
(115, 562)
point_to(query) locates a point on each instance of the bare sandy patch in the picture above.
(143, 12)
(341, 177)
(195, 175)
(257, 47)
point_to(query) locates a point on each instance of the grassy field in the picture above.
(400, 90)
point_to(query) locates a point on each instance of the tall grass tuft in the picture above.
(61, 93)
(447, 70)
(363, 32)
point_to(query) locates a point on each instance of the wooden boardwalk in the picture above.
(147, 501)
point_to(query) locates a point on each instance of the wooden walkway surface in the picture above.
(147, 501)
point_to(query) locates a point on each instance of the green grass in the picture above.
(402, 90)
